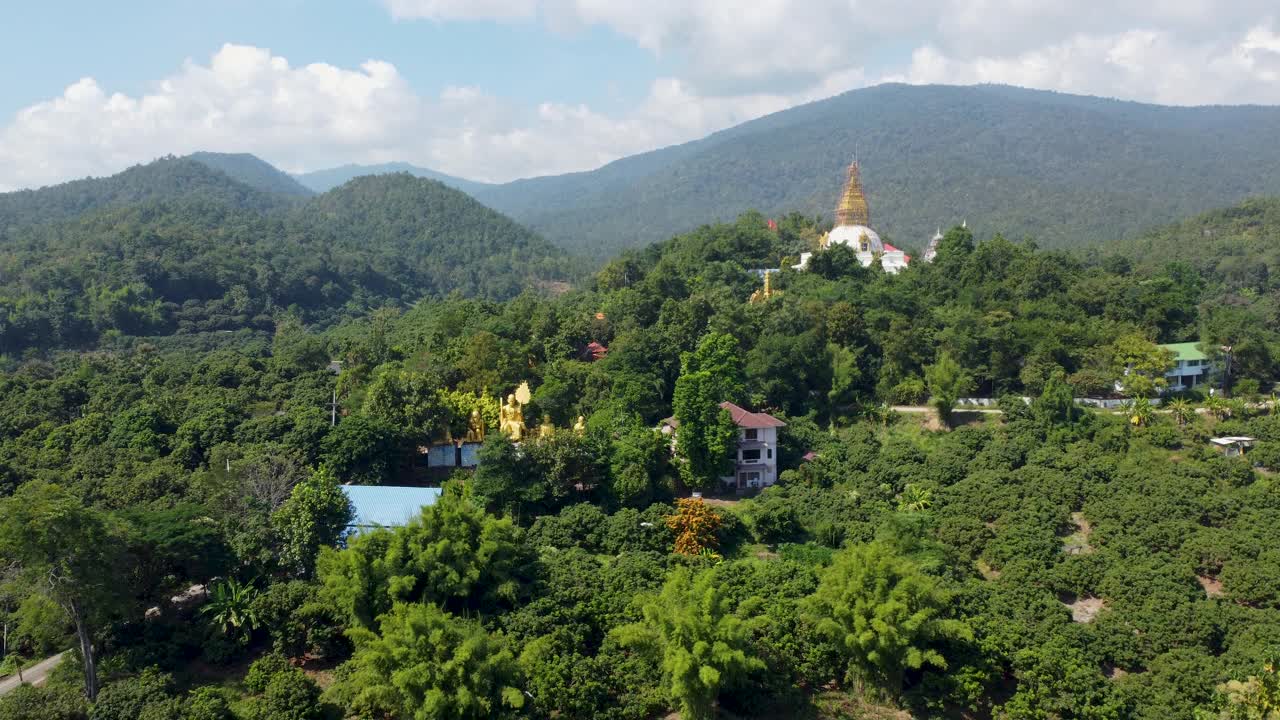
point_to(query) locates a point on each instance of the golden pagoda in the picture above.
(852, 207)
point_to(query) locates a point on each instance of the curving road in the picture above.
(35, 675)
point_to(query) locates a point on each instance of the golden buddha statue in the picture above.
(475, 428)
(580, 427)
(546, 429)
(511, 419)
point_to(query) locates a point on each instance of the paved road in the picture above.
(35, 674)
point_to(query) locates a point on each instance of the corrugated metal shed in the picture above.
(387, 505)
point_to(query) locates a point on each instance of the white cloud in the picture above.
(1144, 64)
(440, 10)
(735, 62)
(301, 118)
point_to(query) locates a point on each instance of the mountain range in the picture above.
(1065, 170)
(224, 242)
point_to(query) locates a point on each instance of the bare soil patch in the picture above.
(1085, 609)
(1212, 586)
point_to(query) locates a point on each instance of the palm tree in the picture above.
(915, 499)
(1218, 407)
(1182, 410)
(231, 605)
(1139, 411)
(883, 414)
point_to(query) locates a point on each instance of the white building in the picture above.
(756, 457)
(1191, 367)
(853, 230)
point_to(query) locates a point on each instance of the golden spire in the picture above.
(852, 208)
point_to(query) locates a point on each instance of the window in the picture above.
(770, 453)
(751, 456)
(751, 434)
(753, 479)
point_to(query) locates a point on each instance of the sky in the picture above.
(496, 90)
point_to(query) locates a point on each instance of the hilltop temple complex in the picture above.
(853, 229)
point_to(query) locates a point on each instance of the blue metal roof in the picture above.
(387, 506)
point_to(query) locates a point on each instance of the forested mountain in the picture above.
(325, 180)
(1066, 170)
(1237, 248)
(1046, 561)
(254, 172)
(165, 179)
(176, 246)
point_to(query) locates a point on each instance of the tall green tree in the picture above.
(426, 664)
(70, 552)
(884, 615)
(709, 375)
(316, 515)
(947, 382)
(1056, 404)
(454, 555)
(704, 644)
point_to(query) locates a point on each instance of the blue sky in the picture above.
(500, 89)
(123, 45)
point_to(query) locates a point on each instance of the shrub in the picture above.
(911, 391)
(1164, 436)
(44, 703)
(126, 699)
(806, 554)
(264, 669)
(207, 704)
(1266, 454)
(290, 695)
(775, 521)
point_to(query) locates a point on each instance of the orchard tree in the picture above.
(316, 515)
(884, 615)
(703, 644)
(426, 664)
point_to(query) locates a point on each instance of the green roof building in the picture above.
(1191, 367)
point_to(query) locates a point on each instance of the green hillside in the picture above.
(1066, 170)
(1031, 561)
(254, 172)
(212, 254)
(325, 180)
(1236, 247)
(166, 178)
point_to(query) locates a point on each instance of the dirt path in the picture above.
(34, 675)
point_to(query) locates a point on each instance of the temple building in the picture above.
(853, 229)
(931, 251)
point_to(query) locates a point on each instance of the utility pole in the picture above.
(333, 409)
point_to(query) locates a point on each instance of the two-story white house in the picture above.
(756, 457)
(1191, 367)
(756, 461)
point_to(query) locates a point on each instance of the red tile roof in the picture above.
(747, 419)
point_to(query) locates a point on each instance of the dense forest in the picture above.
(1066, 170)
(1043, 561)
(177, 246)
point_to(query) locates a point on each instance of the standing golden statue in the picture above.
(580, 427)
(511, 419)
